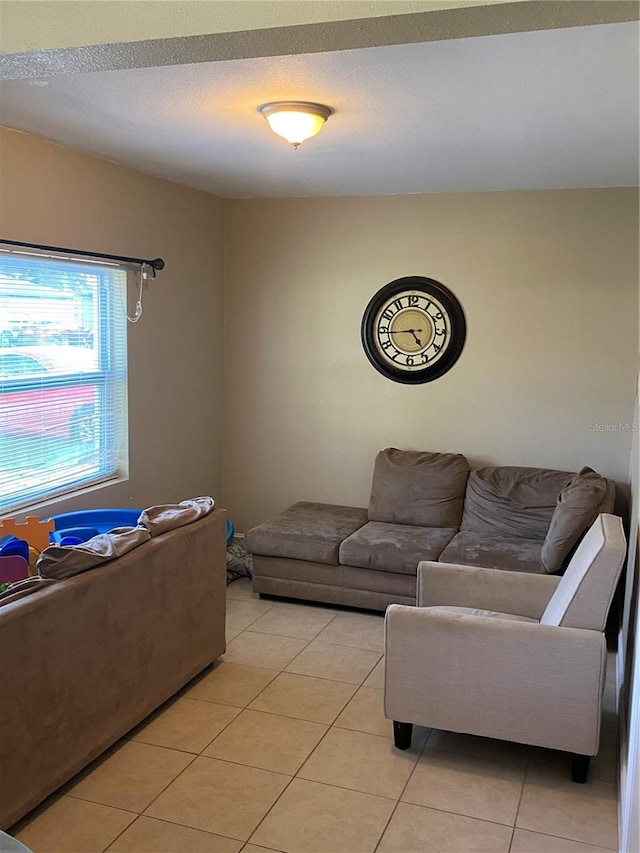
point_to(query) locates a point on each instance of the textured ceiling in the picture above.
(518, 110)
(29, 25)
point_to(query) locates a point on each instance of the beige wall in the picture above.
(548, 281)
(55, 196)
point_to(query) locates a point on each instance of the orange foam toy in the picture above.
(32, 530)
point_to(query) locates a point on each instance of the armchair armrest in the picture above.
(519, 681)
(520, 593)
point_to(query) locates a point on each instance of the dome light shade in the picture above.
(295, 120)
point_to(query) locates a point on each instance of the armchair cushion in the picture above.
(576, 510)
(471, 611)
(416, 488)
(441, 584)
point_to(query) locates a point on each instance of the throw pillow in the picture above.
(576, 510)
(418, 488)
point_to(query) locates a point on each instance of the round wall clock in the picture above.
(413, 330)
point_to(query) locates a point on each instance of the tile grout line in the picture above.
(280, 669)
(295, 776)
(297, 675)
(404, 788)
(279, 797)
(240, 710)
(113, 840)
(188, 826)
(297, 655)
(333, 785)
(515, 819)
(315, 637)
(139, 814)
(171, 823)
(244, 628)
(423, 752)
(329, 727)
(467, 816)
(307, 640)
(194, 757)
(319, 677)
(199, 755)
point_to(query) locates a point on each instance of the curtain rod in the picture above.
(155, 264)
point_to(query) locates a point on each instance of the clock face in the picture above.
(413, 330)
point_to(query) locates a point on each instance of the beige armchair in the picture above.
(507, 655)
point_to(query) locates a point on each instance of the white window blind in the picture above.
(63, 376)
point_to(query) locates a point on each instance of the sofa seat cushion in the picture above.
(512, 553)
(511, 501)
(413, 487)
(474, 611)
(306, 531)
(394, 547)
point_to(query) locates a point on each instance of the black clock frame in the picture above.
(430, 287)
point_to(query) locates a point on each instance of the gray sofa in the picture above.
(425, 506)
(87, 657)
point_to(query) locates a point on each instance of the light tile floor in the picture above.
(282, 746)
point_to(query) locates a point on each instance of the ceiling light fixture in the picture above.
(295, 120)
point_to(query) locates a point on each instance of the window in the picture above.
(63, 377)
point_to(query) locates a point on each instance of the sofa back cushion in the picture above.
(418, 488)
(583, 596)
(512, 501)
(577, 507)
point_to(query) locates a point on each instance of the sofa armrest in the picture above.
(518, 681)
(520, 593)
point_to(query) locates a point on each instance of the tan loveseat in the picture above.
(86, 658)
(425, 506)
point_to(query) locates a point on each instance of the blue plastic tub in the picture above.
(11, 546)
(88, 523)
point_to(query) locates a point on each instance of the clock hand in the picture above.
(410, 332)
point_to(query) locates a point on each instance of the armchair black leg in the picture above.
(402, 734)
(580, 767)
